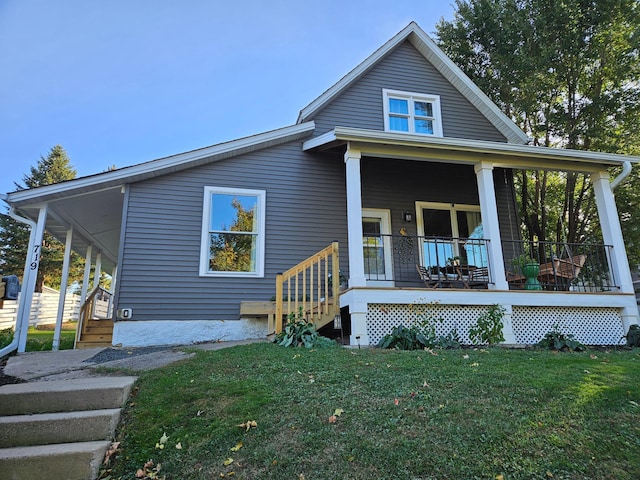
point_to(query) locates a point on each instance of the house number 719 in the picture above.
(36, 257)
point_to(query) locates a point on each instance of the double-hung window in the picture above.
(412, 113)
(233, 232)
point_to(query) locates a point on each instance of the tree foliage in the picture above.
(14, 236)
(233, 250)
(567, 73)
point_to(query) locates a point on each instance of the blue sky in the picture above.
(119, 82)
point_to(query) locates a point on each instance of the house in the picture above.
(398, 178)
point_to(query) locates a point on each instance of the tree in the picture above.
(568, 73)
(14, 235)
(232, 250)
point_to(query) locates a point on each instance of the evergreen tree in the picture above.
(568, 73)
(14, 235)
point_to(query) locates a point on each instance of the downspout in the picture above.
(16, 334)
(626, 171)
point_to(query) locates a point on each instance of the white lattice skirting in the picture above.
(591, 326)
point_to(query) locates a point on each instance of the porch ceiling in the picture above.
(96, 218)
(456, 150)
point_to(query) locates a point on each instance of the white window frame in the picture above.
(452, 209)
(261, 196)
(385, 230)
(412, 97)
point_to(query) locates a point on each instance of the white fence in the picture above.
(43, 310)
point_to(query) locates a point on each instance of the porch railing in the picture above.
(395, 257)
(97, 306)
(310, 288)
(580, 267)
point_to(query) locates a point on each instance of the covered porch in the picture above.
(398, 258)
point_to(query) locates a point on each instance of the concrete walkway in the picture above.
(68, 364)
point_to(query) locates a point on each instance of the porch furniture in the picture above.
(561, 271)
(556, 274)
(454, 276)
(432, 277)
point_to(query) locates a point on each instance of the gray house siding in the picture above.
(305, 211)
(405, 69)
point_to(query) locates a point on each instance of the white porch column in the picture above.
(490, 224)
(33, 263)
(491, 228)
(358, 314)
(354, 218)
(611, 230)
(97, 272)
(612, 235)
(64, 280)
(87, 274)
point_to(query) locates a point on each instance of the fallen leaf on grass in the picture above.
(593, 357)
(499, 477)
(228, 462)
(475, 364)
(179, 446)
(112, 449)
(396, 401)
(465, 356)
(237, 447)
(163, 439)
(338, 412)
(248, 425)
(333, 419)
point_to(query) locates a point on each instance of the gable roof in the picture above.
(161, 166)
(449, 70)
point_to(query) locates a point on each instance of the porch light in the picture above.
(407, 216)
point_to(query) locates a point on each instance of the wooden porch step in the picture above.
(82, 344)
(97, 333)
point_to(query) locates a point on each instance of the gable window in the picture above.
(412, 113)
(233, 232)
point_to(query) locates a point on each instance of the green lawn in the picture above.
(40, 340)
(456, 414)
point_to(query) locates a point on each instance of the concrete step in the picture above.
(64, 427)
(61, 461)
(65, 395)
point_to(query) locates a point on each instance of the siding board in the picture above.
(404, 68)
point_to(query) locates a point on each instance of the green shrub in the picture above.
(633, 336)
(488, 328)
(420, 335)
(556, 340)
(298, 332)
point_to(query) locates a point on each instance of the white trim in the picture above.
(453, 218)
(451, 207)
(369, 140)
(164, 165)
(260, 231)
(384, 215)
(411, 98)
(432, 53)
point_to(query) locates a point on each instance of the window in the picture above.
(376, 244)
(451, 231)
(233, 232)
(412, 113)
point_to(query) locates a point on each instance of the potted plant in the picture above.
(530, 268)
